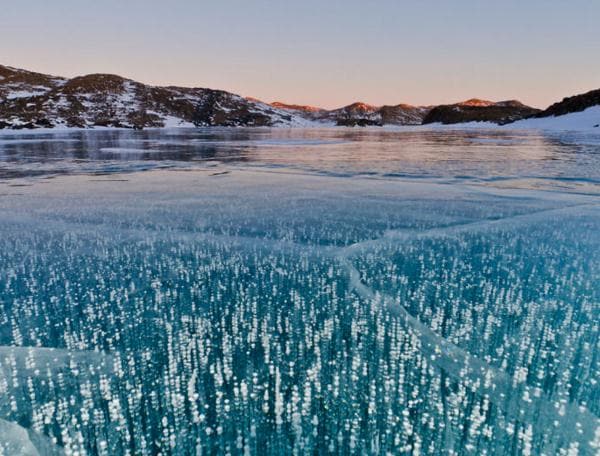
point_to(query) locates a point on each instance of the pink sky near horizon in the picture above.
(326, 54)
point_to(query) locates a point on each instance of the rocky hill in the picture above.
(576, 103)
(403, 114)
(360, 114)
(33, 100)
(355, 114)
(476, 110)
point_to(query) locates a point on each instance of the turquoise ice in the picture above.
(276, 292)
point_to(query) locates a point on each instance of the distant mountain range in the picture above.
(35, 100)
(360, 114)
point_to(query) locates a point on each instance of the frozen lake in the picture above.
(257, 291)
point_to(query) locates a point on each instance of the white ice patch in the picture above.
(16, 440)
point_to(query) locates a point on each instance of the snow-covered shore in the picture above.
(586, 121)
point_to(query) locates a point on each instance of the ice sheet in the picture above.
(244, 308)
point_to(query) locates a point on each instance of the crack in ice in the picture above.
(528, 404)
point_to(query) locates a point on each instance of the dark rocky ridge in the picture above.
(575, 103)
(476, 110)
(403, 114)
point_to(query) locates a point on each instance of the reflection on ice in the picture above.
(544, 160)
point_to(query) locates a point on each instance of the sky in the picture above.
(327, 53)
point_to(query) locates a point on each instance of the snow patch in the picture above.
(172, 122)
(24, 94)
(584, 120)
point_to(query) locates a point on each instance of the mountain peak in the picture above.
(295, 107)
(476, 102)
(360, 106)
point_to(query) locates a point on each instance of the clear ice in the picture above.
(277, 292)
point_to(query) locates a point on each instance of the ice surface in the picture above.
(18, 441)
(335, 293)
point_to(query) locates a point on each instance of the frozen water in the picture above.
(275, 292)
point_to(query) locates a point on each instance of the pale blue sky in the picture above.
(326, 53)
